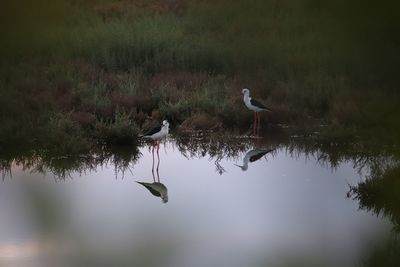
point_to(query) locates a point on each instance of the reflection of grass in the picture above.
(381, 194)
(328, 152)
(387, 255)
(5, 168)
(192, 144)
(62, 166)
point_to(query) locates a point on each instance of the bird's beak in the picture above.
(238, 166)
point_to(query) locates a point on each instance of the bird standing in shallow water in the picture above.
(158, 133)
(255, 106)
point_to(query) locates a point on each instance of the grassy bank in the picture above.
(108, 69)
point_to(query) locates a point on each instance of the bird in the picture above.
(158, 133)
(157, 189)
(253, 155)
(255, 106)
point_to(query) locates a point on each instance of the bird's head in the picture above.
(245, 91)
(164, 199)
(165, 123)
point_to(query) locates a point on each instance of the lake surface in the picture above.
(287, 208)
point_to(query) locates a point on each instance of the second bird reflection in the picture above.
(253, 155)
(156, 188)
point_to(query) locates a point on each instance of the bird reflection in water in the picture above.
(253, 155)
(156, 188)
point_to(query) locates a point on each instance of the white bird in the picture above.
(158, 133)
(255, 106)
(253, 155)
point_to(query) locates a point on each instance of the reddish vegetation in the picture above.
(200, 121)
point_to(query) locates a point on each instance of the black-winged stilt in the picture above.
(253, 155)
(158, 133)
(255, 106)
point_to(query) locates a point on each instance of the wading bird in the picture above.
(255, 106)
(158, 133)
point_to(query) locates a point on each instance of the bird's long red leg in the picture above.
(254, 123)
(152, 167)
(259, 122)
(158, 165)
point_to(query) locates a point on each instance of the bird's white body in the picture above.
(247, 101)
(159, 134)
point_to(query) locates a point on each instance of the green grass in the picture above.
(186, 59)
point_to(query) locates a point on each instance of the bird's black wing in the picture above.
(151, 189)
(259, 155)
(259, 104)
(153, 131)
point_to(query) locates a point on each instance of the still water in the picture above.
(224, 207)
